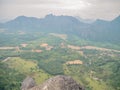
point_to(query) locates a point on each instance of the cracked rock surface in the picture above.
(59, 82)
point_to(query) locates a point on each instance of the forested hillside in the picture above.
(99, 30)
(94, 65)
(60, 45)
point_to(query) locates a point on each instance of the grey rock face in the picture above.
(59, 82)
(28, 83)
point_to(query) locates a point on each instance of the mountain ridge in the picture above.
(100, 30)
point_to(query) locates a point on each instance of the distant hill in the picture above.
(105, 30)
(51, 23)
(100, 30)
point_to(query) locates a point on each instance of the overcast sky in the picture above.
(90, 9)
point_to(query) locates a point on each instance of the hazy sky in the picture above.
(91, 9)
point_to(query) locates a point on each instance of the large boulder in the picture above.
(59, 82)
(28, 83)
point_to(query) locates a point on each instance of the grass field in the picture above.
(29, 68)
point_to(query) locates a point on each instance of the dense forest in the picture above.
(60, 45)
(95, 65)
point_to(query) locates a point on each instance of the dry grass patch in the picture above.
(7, 48)
(24, 45)
(62, 36)
(74, 47)
(74, 62)
(46, 46)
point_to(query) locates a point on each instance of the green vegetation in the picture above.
(16, 69)
(100, 69)
(10, 79)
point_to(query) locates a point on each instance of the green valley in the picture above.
(94, 65)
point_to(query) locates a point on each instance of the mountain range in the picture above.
(99, 30)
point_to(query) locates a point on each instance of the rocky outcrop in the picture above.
(59, 82)
(28, 83)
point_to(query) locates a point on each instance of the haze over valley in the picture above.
(73, 45)
(60, 45)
